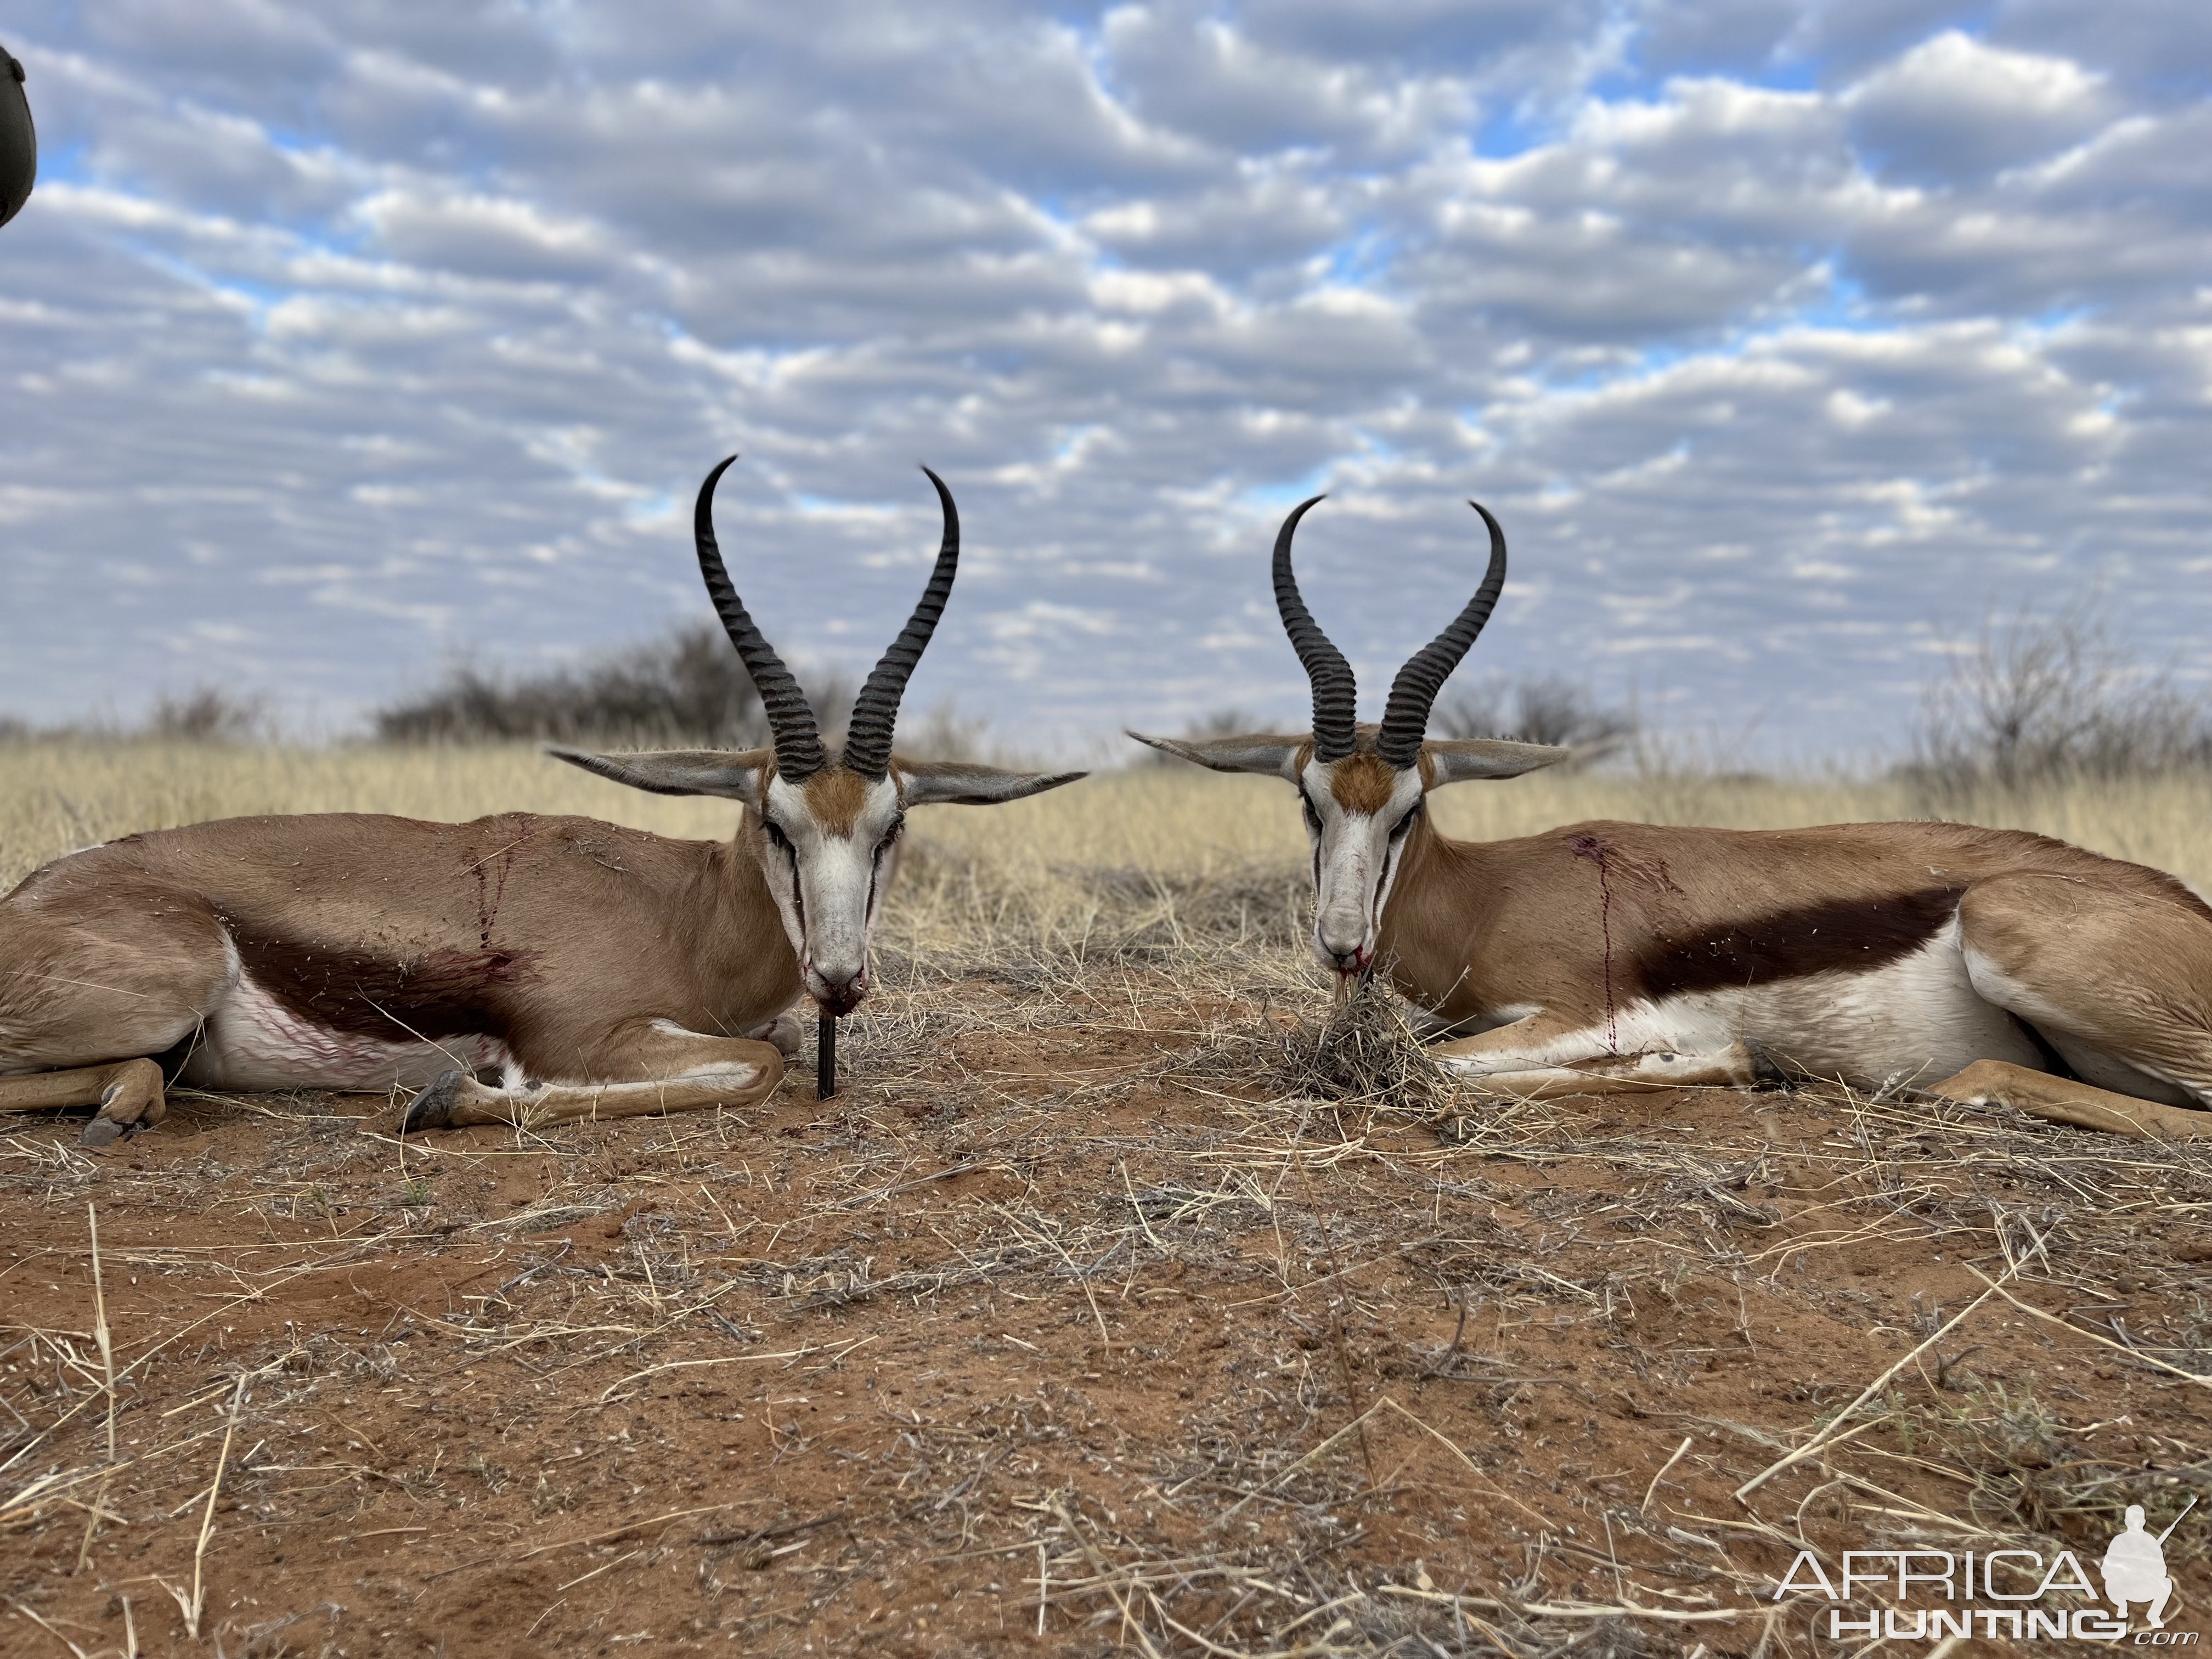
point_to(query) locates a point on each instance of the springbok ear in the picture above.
(1458, 759)
(1276, 756)
(733, 774)
(956, 783)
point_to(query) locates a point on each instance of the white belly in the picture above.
(1919, 1019)
(252, 1042)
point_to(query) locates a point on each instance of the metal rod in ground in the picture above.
(825, 1057)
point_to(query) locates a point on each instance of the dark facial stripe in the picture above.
(1838, 936)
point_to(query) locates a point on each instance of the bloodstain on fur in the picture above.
(1590, 847)
(1362, 782)
(491, 887)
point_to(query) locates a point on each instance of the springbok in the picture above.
(597, 971)
(1982, 964)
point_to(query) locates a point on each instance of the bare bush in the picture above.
(2050, 700)
(1542, 709)
(943, 734)
(208, 713)
(1221, 723)
(687, 688)
(205, 715)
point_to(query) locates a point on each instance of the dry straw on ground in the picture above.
(1125, 1305)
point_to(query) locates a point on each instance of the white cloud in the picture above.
(1774, 331)
(1954, 108)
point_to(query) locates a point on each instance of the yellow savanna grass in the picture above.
(1042, 857)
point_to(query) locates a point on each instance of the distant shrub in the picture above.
(1221, 723)
(686, 689)
(943, 734)
(208, 713)
(2051, 699)
(1543, 708)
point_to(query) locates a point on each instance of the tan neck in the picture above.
(750, 928)
(1440, 909)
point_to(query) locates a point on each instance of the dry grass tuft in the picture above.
(1366, 1054)
(2038, 1477)
(1047, 857)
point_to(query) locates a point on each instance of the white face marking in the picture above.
(1355, 865)
(830, 887)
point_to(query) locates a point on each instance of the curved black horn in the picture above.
(1335, 694)
(1405, 717)
(798, 746)
(875, 711)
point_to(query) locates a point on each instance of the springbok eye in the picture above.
(776, 838)
(891, 834)
(1399, 828)
(1312, 813)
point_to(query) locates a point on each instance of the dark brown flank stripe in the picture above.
(1840, 936)
(440, 993)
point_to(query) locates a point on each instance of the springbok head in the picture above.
(1362, 787)
(825, 831)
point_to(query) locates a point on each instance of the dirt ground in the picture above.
(1085, 1321)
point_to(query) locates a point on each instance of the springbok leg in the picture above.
(2119, 982)
(650, 1066)
(1732, 1067)
(128, 1093)
(2062, 1100)
(91, 977)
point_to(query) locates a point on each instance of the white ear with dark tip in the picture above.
(1459, 760)
(733, 774)
(956, 783)
(1273, 755)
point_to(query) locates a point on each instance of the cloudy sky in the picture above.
(341, 342)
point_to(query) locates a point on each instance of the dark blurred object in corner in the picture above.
(19, 141)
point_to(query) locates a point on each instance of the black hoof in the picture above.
(1766, 1071)
(103, 1132)
(433, 1108)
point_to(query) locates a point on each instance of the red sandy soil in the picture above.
(1063, 1319)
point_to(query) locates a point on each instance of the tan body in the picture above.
(627, 971)
(1977, 963)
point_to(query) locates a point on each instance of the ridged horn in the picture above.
(1335, 693)
(790, 720)
(1413, 693)
(875, 711)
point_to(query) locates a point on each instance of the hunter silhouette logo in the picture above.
(1999, 1593)
(2135, 1566)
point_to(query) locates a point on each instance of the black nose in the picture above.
(843, 998)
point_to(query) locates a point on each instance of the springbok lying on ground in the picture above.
(1982, 964)
(597, 971)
